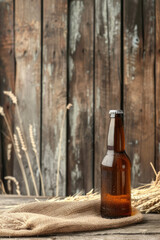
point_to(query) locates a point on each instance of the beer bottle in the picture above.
(116, 172)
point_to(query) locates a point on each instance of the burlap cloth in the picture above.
(46, 218)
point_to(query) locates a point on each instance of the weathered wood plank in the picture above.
(157, 76)
(54, 94)
(1, 165)
(148, 139)
(139, 87)
(7, 72)
(108, 237)
(107, 73)
(28, 62)
(8, 201)
(113, 237)
(80, 134)
(149, 226)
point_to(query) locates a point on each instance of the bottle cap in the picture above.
(112, 113)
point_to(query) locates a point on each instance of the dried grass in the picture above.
(77, 197)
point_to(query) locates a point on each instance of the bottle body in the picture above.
(115, 186)
(116, 174)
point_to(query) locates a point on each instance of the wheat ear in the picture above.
(2, 187)
(36, 155)
(13, 179)
(19, 159)
(2, 112)
(59, 149)
(24, 148)
(11, 96)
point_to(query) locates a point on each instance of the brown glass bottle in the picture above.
(116, 172)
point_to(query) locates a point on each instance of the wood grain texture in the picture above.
(107, 237)
(107, 73)
(9, 201)
(54, 98)
(157, 80)
(139, 87)
(28, 81)
(7, 81)
(113, 237)
(80, 134)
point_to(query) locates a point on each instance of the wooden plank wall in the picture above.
(95, 54)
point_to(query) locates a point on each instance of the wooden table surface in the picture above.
(149, 229)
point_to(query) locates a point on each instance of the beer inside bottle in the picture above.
(116, 172)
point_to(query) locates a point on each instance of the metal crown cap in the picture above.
(115, 112)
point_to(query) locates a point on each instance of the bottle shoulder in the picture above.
(112, 158)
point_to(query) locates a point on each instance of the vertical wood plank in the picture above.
(107, 73)
(54, 93)
(1, 159)
(157, 31)
(139, 87)
(7, 73)
(28, 62)
(148, 138)
(80, 135)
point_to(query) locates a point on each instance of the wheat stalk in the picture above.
(24, 148)
(21, 163)
(146, 198)
(148, 204)
(148, 195)
(11, 96)
(17, 146)
(36, 155)
(9, 151)
(2, 187)
(59, 149)
(13, 179)
(19, 159)
(154, 208)
(14, 101)
(2, 111)
(22, 139)
(78, 197)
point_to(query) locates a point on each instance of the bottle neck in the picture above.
(116, 140)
